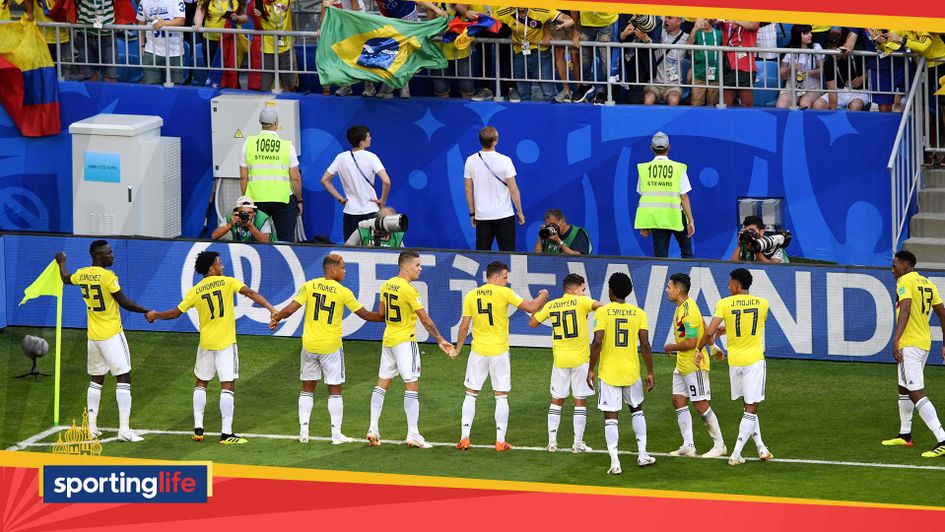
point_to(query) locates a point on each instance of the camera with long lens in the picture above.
(396, 223)
(764, 244)
(547, 231)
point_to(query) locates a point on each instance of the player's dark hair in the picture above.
(356, 134)
(407, 255)
(743, 277)
(205, 260)
(572, 279)
(96, 245)
(681, 280)
(620, 284)
(753, 220)
(495, 267)
(906, 256)
(332, 259)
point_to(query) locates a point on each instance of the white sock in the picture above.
(580, 421)
(612, 435)
(336, 411)
(469, 413)
(554, 420)
(123, 396)
(712, 426)
(756, 434)
(305, 411)
(200, 402)
(745, 431)
(501, 417)
(412, 409)
(906, 408)
(684, 418)
(639, 429)
(927, 412)
(226, 411)
(92, 400)
(377, 404)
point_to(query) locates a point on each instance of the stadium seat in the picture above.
(199, 76)
(128, 52)
(767, 77)
(305, 57)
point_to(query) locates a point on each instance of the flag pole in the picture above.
(58, 352)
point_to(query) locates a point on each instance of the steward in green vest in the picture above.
(664, 207)
(557, 236)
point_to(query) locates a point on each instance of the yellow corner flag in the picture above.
(49, 283)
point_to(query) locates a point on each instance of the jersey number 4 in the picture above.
(566, 322)
(738, 320)
(209, 299)
(89, 296)
(320, 300)
(487, 310)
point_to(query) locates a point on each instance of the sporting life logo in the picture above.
(151, 483)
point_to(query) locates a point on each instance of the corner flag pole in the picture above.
(58, 353)
(49, 283)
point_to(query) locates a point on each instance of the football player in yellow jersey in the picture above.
(322, 355)
(618, 326)
(916, 297)
(107, 347)
(217, 353)
(744, 317)
(401, 307)
(486, 308)
(571, 350)
(690, 382)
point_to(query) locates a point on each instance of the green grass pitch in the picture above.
(824, 411)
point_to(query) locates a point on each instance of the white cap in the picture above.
(244, 201)
(660, 142)
(268, 116)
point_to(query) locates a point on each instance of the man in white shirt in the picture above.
(490, 192)
(162, 47)
(357, 169)
(667, 66)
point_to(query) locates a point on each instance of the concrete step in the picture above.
(935, 177)
(932, 199)
(926, 249)
(927, 224)
(937, 267)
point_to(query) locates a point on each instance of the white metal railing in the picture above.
(906, 160)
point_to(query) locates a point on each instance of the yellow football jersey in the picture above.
(488, 308)
(98, 285)
(529, 27)
(324, 301)
(744, 316)
(569, 343)
(213, 297)
(924, 295)
(598, 19)
(688, 323)
(402, 301)
(619, 359)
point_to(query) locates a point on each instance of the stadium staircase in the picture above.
(927, 227)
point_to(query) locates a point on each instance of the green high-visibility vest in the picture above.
(660, 200)
(367, 238)
(267, 163)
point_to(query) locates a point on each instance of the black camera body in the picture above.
(244, 216)
(751, 240)
(547, 231)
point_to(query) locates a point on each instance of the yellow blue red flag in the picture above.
(30, 92)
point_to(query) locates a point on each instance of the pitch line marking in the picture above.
(34, 441)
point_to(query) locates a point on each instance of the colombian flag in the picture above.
(356, 46)
(30, 92)
(461, 31)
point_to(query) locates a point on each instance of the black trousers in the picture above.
(501, 230)
(351, 222)
(284, 217)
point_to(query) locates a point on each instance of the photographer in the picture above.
(754, 246)
(385, 230)
(246, 224)
(557, 236)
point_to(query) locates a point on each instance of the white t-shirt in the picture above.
(293, 157)
(162, 43)
(669, 70)
(803, 64)
(357, 170)
(492, 198)
(684, 186)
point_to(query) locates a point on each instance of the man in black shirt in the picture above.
(845, 76)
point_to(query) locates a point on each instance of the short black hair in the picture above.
(906, 256)
(495, 267)
(554, 212)
(681, 280)
(205, 260)
(753, 220)
(407, 255)
(743, 277)
(620, 284)
(96, 245)
(572, 279)
(356, 134)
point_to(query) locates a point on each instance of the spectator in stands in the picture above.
(64, 39)
(496, 59)
(769, 34)
(803, 85)
(376, 236)
(846, 77)
(246, 224)
(739, 67)
(557, 236)
(350, 5)
(531, 35)
(460, 59)
(491, 192)
(95, 45)
(706, 68)
(5, 9)
(404, 10)
(593, 27)
(887, 75)
(667, 66)
(161, 48)
(216, 14)
(357, 169)
(277, 16)
(567, 60)
(635, 71)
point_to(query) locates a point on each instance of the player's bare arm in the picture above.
(596, 344)
(463, 333)
(126, 303)
(368, 315)
(647, 353)
(286, 311)
(535, 304)
(905, 308)
(596, 305)
(428, 324)
(533, 322)
(686, 345)
(63, 270)
(153, 315)
(257, 298)
(709, 336)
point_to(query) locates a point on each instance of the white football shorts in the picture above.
(225, 363)
(330, 367)
(749, 382)
(403, 359)
(570, 381)
(109, 355)
(497, 368)
(612, 398)
(694, 386)
(912, 368)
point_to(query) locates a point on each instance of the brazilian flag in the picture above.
(357, 46)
